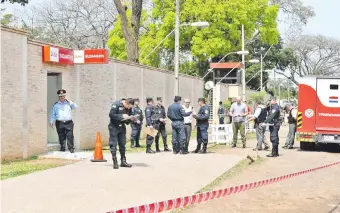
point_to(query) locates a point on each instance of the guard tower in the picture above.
(222, 69)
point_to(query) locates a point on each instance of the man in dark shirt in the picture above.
(149, 114)
(176, 114)
(120, 115)
(202, 124)
(136, 125)
(160, 125)
(274, 120)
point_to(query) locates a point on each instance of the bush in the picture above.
(227, 104)
(258, 96)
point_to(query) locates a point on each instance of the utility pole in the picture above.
(261, 73)
(176, 87)
(288, 89)
(243, 68)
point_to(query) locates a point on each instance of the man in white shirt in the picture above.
(187, 122)
(259, 117)
(292, 115)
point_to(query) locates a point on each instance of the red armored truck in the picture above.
(318, 120)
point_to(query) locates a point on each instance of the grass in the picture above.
(11, 169)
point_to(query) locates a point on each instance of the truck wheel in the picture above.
(308, 146)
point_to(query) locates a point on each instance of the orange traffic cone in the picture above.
(98, 151)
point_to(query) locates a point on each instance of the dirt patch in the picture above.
(317, 192)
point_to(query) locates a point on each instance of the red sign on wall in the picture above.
(91, 56)
(70, 57)
(57, 55)
(65, 56)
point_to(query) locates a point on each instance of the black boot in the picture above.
(149, 150)
(166, 148)
(123, 161)
(274, 152)
(115, 161)
(183, 150)
(157, 147)
(198, 148)
(175, 149)
(132, 144)
(204, 149)
(137, 143)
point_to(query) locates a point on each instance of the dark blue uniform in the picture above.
(149, 112)
(220, 113)
(176, 114)
(202, 118)
(274, 118)
(135, 126)
(117, 131)
(159, 112)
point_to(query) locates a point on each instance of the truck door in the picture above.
(328, 105)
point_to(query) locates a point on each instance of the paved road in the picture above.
(96, 187)
(316, 192)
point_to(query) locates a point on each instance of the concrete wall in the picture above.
(93, 87)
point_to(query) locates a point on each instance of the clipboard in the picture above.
(151, 131)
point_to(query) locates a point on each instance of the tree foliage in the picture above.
(222, 36)
(22, 2)
(310, 55)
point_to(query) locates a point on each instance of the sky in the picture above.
(327, 14)
(324, 23)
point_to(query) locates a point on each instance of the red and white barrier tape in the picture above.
(207, 196)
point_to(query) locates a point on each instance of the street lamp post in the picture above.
(177, 49)
(243, 68)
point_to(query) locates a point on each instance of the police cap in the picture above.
(201, 99)
(131, 101)
(148, 99)
(220, 102)
(159, 98)
(61, 92)
(177, 98)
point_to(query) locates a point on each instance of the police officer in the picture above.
(176, 114)
(202, 124)
(61, 113)
(274, 119)
(136, 125)
(292, 115)
(160, 125)
(120, 115)
(220, 113)
(149, 112)
(260, 116)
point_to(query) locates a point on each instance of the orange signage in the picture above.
(70, 57)
(91, 56)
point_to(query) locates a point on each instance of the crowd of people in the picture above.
(265, 115)
(127, 111)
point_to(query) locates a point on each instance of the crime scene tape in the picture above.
(211, 195)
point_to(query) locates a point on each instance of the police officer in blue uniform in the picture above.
(274, 119)
(61, 114)
(120, 115)
(176, 114)
(149, 113)
(202, 124)
(160, 125)
(220, 113)
(136, 125)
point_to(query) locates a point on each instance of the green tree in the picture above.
(22, 2)
(272, 55)
(257, 96)
(7, 18)
(222, 36)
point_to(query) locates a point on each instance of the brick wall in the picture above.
(93, 87)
